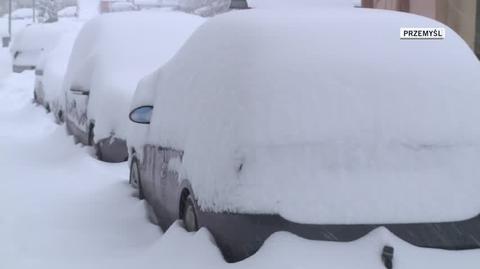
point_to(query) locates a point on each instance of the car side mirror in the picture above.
(80, 92)
(141, 114)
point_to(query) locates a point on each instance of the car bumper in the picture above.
(21, 68)
(241, 235)
(112, 150)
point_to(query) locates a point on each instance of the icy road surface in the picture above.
(61, 209)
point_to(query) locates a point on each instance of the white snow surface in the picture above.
(36, 39)
(88, 9)
(114, 51)
(54, 64)
(22, 13)
(324, 116)
(61, 208)
(17, 25)
(298, 4)
(68, 12)
(123, 6)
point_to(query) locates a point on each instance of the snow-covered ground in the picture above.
(61, 208)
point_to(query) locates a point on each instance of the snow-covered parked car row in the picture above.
(258, 121)
(50, 73)
(111, 54)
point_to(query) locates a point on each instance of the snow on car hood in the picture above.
(54, 66)
(37, 37)
(279, 112)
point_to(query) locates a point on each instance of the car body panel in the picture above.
(39, 93)
(80, 135)
(76, 117)
(241, 235)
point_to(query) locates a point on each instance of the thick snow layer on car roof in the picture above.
(22, 13)
(17, 25)
(325, 116)
(68, 12)
(54, 66)
(42, 36)
(114, 51)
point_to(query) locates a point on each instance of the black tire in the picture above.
(98, 151)
(60, 116)
(47, 107)
(135, 179)
(189, 215)
(91, 134)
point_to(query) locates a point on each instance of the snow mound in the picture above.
(28, 44)
(54, 65)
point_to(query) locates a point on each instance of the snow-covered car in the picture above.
(110, 56)
(208, 8)
(17, 25)
(22, 13)
(264, 121)
(107, 6)
(68, 12)
(122, 7)
(30, 42)
(145, 4)
(50, 73)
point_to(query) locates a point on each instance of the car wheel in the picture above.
(189, 215)
(91, 134)
(135, 179)
(98, 151)
(60, 116)
(47, 107)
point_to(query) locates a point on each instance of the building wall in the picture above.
(424, 7)
(3, 7)
(460, 15)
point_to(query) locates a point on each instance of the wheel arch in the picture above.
(91, 132)
(185, 191)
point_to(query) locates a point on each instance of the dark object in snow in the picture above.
(387, 257)
(239, 4)
(48, 10)
(5, 41)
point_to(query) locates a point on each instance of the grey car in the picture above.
(262, 123)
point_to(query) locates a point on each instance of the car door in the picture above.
(167, 182)
(77, 120)
(148, 172)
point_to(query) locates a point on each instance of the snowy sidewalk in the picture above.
(60, 207)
